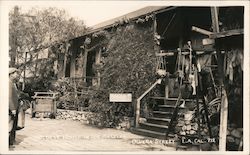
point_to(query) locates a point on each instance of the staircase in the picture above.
(157, 125)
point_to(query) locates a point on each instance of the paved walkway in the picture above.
(65, 135)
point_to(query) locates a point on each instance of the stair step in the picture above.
(148, 133)
(154, 127)
(172, 99)
(163, 114)
(190, 136)
(159, 121)
(170, 106)
(155, 135)
(181, 147)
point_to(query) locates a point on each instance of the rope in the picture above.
(168, 25)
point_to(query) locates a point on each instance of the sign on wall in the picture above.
(120, 97)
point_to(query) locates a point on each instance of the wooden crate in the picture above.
(45, 102)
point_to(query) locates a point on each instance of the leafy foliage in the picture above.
(32, 33)
(128, 67)
(70, 97)
(39, 28)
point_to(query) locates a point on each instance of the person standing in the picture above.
(15, 108)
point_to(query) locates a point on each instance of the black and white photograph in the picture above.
(124, 77)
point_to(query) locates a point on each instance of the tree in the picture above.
(36, 30)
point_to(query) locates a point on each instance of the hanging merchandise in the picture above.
(192, 78)
(180, 64)
(240, 58)
(161, 66)
(192, 81)
(203, 61)
(231, 72)
(157, 38)
(228, 59)
(198, 66)
(233, 58)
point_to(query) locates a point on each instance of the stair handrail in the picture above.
(138, 102)
(175, 114)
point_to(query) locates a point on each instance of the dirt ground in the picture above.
(65, 135)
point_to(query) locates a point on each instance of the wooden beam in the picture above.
(184, 53)
(208, 41)
(215, 19)
(223, 121)
(227, 33)
(202, 31)
(224, 103)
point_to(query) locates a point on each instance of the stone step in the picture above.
(154, 127)
(159, 121)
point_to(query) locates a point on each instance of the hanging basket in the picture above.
(161, 72)
(161, 66)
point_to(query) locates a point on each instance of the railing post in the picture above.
(137, 113)
(138, 102)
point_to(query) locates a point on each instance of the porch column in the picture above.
(72, 64)
(98, 62)
(224, 101)
(85, 59)
(166, 86)
(65, 59)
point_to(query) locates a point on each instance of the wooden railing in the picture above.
(88, 80)
(174, 115)
(138, 103)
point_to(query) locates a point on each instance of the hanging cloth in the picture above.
(192, 81)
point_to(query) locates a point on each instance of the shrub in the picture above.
(129, 66)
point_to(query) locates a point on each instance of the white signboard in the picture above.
(120, 97)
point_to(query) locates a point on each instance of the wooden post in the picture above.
(137, 112)
(73, 64)
(215, 19)
(24, 71)
(14, 54)
(166, 86)
(155, 25)
(36, 64)
(156, 46)
(98, 61)
(65, 59)
(85, 65)
(224, 102)
(138, 102)
(223, 121)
